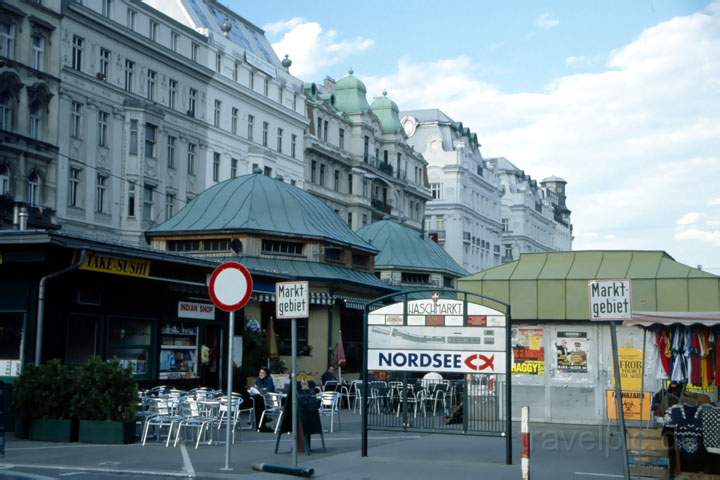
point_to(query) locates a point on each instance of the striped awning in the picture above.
(263, 297)
(353, 302)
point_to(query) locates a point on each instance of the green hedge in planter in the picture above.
(105, 402)
(49, 430)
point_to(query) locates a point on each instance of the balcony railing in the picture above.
(386, 168)
(382, 206)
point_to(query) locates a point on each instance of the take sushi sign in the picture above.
(610, 300)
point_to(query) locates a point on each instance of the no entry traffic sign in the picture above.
(231, 286)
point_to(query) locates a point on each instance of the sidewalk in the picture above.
(559, 452)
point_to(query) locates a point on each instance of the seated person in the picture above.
(264, 381)
(328, 376)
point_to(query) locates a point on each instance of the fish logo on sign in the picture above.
(480, 362)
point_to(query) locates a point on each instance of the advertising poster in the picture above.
(528, 354)
(571, 349)
(635, 405)
(631, 369)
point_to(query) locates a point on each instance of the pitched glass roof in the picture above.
(257, 203)
(404, 247)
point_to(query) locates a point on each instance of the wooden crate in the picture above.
(638, 471)
(646, 440)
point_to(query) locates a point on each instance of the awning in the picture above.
(316, 298)
(353, 302)
(647, 319)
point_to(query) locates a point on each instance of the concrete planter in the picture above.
(92, 431)
(51, 430)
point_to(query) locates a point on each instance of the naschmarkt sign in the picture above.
(610, 300)
(292, 300)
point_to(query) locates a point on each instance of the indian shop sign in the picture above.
(437, 361)
(201, 311)
(610, 300)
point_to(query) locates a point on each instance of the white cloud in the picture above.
(638, 142)
(714, 202)
(311, 48)
(703, 235)
(546, 21)
(690, 218)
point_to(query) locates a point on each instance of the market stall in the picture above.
(686, 408)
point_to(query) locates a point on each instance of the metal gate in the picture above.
(443, 363)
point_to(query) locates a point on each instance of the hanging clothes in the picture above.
(679, 370)
(694, 355)
(711, 429)
(663, 345)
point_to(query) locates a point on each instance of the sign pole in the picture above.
(231, 331)
(293, 389)
(508, 387)
(618, 398)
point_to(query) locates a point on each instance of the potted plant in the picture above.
(105, 402)
(42, 401)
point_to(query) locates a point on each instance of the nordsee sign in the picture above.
(610, 300)
(437, 361)
(292, 300)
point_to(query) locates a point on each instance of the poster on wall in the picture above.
(631, 369)
(571, 349)
(528, 354)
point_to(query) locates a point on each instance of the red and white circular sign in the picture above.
(231, 286)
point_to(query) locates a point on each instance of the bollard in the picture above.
(525, 440)
(284, 469)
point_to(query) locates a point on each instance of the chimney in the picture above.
(23, 218)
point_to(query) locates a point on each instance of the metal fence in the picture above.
(473, 405)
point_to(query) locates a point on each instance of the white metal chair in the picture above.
(273, 406)
(160, 418)
(330, 406)
(192, 418)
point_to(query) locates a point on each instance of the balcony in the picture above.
(386, 168)
(382, 206)
(467, 238)
(437, 236)
(506, 258)
(38, 217)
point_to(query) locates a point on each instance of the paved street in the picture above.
(565, 452)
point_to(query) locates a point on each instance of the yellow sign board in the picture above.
(117, 266)
(634, 407)
(1, 258)
(631, 368)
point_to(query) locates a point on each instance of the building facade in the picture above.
(358, 159)
(535, 218)
(464, 213)
(161, 100)
(29, 101)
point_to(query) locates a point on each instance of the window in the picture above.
(171, 141)
(192, 99)
(151, 75)
(77, 51)
(169, 206)
(174, 40)
(36, 123)
(100, 193)
(350, 183)
(436, 191)
(172, 93)
(279, 139)
(104, 63)
(106, 7)
(336, 183)
(38, 51)
(150, 140)
(377, 156)
(319, 128)
(236, 71)
(295, 101)
(325, 130)
(194, 52)
(216, 113)
(341, 136)
(148, 193)
(133, 137)
(399, 162)
(415, 278)
(313, 169)
(266, 127)
(153, 30)
(349, 219)
(234, 121)
(285, 337)
(33, 196)
(508, 251)
(130, 19)
(102, 128)
(218, 62)
(4, 180)
(191, 158)
(74, 187)
(251, 127)
(366, 148)
(266, 87)
(440, 222)
(131, 199)
(267, 171)
(216, 167)
(129, 74)
(75, 116)
(505, 225)
(275, 247)
(293, 145)
(322, 175)
(7, 39)
(233, 167)
(385, 156)
(251, 80)
(6, 113)
(364, 219)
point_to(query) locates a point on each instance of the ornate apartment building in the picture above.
(535, 218)
(115, 113)
(357, 158)
(29, 87)
(464, 213)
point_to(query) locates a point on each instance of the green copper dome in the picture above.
(260, 204)
(388, 113)
(351, 95)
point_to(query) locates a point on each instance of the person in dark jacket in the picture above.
(264, 381)
(329, 375)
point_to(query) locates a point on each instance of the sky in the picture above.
(621, 99)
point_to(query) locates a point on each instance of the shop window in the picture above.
(129, 341)
(178, 351)
(282, 329)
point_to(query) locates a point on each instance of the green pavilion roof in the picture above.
(554, 286)
(402, 247)
(260, 204)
